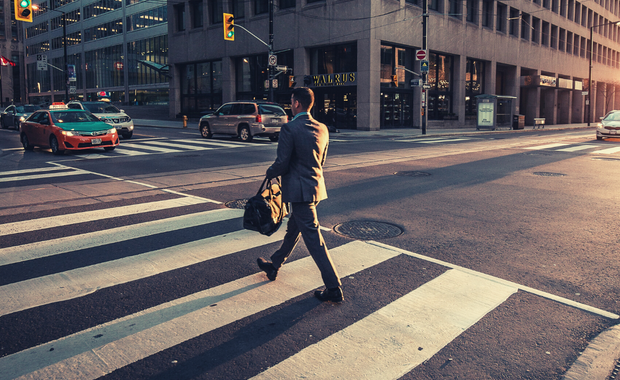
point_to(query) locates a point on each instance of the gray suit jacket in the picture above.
(302, 149)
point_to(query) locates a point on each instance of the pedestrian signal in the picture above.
(229, 27)
(395, 80)
(23, 10)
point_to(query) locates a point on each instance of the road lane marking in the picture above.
(68, 172)
(607, 151)
(546, 146)
(231, 144)
(576, 148)
(89, 216)
(37, 250)
(524, 288)
(132, 338)
(178, 146)
(402, 335)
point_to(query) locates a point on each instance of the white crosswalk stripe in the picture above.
(38, 173)
(565, 147)
(437, 140)
(385, 344)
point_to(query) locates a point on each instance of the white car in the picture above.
(109, 113)
(609, 126)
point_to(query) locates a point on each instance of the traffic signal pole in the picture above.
(270, 67)
(424, 74)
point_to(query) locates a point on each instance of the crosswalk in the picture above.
(387, 343)
(434, 140)
(583, 147)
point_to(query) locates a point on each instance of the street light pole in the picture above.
(64, 43)
(590, 67)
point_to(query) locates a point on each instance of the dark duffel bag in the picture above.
(264, 211)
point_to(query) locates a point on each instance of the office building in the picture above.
(113, 46)
(12, 87)
(348, 51)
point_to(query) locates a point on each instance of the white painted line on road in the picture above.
(143, 146)
(89, 216)
(27, 171)
(178, 146)
(42, 176)
(191, 196)
(37, 250)
(425, 141)
(397, 338)
(231, 144)
(132, 338)
(547, 146)
(524, 288)
(576, 148)
(607, 151)
(130, 152)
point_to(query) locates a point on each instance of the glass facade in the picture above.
(104, 67)
(396, 100)
(147, 19)
(201, 86)
(474, 84)
(252, 78)
(440, 93)
(153, 50)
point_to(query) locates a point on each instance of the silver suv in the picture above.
(244, 119)
(108, 113)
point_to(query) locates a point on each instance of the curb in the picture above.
(599, 359)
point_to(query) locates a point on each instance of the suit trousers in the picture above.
(304, 222)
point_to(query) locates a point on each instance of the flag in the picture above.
(5, 61)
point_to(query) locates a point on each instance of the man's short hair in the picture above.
(304, 96)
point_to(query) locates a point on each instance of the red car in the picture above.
(60, 129)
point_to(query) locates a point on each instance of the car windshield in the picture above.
(72, 117)
(614, 116)
(22, 109)
(101, 108)
(271, 110)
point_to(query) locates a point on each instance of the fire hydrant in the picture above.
(184, 121)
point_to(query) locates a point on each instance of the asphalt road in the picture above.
(129, 265)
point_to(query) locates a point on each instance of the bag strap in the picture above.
(267, 181)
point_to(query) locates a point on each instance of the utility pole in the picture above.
(424, 73)
(64, 43)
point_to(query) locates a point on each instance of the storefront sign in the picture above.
(327, 80)
(565, 83)
(538, 81)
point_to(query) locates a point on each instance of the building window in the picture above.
(545, 34)
(104, 67)
(415, 2)
(514, 22)
(440, 93)
(147, 19)
(334, 59)
(261, 7)
(284, 4)
(569, 42)
(455, 10)
(179, 12)
(238, 8)
(217, 12)
(103, 30)
(472, 11)
(100, 7)
(500, 25)
(433, 5)
(201, 86)
(525, 26)
(197, 16)
(474, 84)
(487, 13)
(155, 50)
(535, 30)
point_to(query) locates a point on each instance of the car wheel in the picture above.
(55, 146)
(244, 134)
(26, 142)
(599, 137)
(274, 138)
(127, 135)
(109, 148)
(205, 131)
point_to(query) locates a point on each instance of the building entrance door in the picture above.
(336, 107)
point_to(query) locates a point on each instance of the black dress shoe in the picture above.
(333, 295)
(268, 267)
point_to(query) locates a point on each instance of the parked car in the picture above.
(60, 129)
(244, 119)
(107, 112)
(609, 125)
(13, 115)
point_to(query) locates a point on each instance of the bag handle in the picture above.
(268, 182)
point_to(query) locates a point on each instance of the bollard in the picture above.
(184, 121)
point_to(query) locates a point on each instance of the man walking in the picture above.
(302, 149)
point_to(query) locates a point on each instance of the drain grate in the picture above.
(412, 174)
(548, 174)
(367, 230)
(615, 371)
(237, 203)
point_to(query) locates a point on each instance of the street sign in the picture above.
(71, 73)
(41, 62)
(273, 60)
(281, 68)
(420, 55)
(416, 82)
(424, 66)
(584, 93)
(72, 89)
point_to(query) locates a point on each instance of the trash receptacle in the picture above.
(518, 122)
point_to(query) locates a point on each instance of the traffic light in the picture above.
(291, 81)
(395, 80)
(229, 27)
(23, 10)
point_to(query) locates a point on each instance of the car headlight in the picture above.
(69, 133)
(22, 118)
(111, 131)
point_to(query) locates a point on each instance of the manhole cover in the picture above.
(237, 203)
(412, 174)
(367, 230)
(548, 174)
